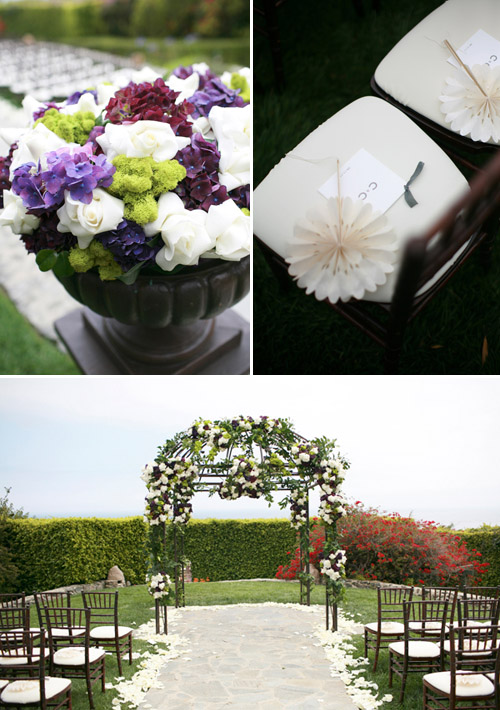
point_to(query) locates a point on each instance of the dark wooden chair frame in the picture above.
(437, 700)
(481, 592)
(14, 617)
(472, 221)
(21, 644)
(91, 671)
(448, 594)
(426, 612)
(12, 599)
(55, 600)
(104, 608)
(389, 609)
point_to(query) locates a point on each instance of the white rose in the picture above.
(229, 228)
(145, 74)
(202, 125)
(105, 92)
(33, 144)
(14, 215)
(86, 102)
(105, 212)
(182, 230)
(141, 139)
(186, 87)
(304, 457)
(231, 127)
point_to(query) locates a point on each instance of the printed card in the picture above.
(363, 177)
(481, 48)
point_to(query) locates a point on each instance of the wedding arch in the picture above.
(246, 457)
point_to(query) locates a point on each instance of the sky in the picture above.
(420, 446)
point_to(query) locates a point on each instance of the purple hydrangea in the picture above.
(79, 173)
(92, 139)
(74, 98)
(128, 244)
(40, 113)
(215, 93)
(200, 156)
(241, 195)
(47, 236)
(200, 188)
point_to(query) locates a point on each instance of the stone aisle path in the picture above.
(250, 657)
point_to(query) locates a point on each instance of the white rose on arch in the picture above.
(15, 216)
(183, 232)
(105, 212)
(229, 228)
(231, 127)
(140, 140)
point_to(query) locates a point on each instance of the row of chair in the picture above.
(69, 643)
(445, 627)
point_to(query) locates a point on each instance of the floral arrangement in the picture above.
(151, 177)
(159, 585)
(170, 489)
(243, 480)
(333, 566)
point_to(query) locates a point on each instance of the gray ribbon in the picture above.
(410, 200)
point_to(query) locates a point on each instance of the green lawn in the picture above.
(24, 351)
(136, 608)
(329, 55)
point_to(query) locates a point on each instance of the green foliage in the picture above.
(61, 551)
(177, 18)
(74, 128)
(53, 22)
(8, 569)
(486, 540)
(95, 255)
(237, 549)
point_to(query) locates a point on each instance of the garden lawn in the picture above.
(24, 351)
(136, 608)
(329, 56)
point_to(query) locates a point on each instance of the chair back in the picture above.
(482, 610)
(427, 618)
(475, 592)
(473, 646)
(443, 594)
(7, 600)
(103, 607)
(426, 254)
(390, 602)
(14, 617)
(25, 652)
(72, 619)
(45, 600)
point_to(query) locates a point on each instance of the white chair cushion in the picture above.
(291, 188)
(391, 628)
(64, 633)
(3, 683)
(108, 632)
(471, 685)
(416, 649)
(471, 647)
(415, 70)
(431, 627)
(13, 660)
(75, 655)
(28, 691)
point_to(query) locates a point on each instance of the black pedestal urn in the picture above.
(163, 323)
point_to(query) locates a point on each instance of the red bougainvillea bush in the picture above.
(394, 549)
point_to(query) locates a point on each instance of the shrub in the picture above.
(399, 550)
(486, 540)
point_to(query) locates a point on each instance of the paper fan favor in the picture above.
(342, 249)
(472, 108)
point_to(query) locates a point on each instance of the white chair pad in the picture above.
(389, 628)
(431, 627)
(107, 633)
(28, 691)
(471, 647)
(291, 188)
(3, 683)
(415, 70)
(442, 681)
(416, 649)
(75, 655)
(76, 632)
(13, 660)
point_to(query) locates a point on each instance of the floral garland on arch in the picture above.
(251, 457)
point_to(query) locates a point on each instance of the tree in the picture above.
(8, 569)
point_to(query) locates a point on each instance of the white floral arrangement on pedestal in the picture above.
(159, 585)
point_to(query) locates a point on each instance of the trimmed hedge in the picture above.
(485, 540)
(238, 549)
(62, 551)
